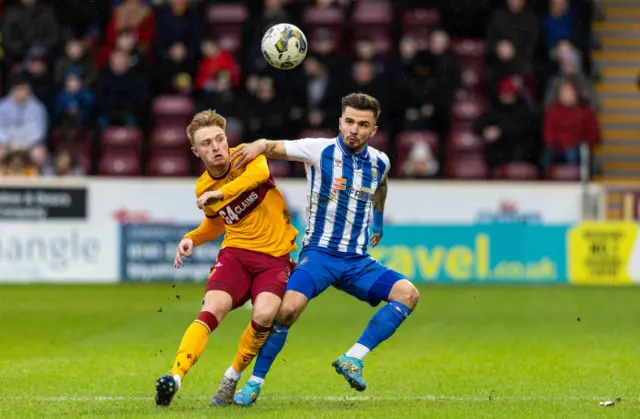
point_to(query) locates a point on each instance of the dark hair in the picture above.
(362, 102)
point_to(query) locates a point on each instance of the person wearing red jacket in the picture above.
(215, 60)
(568, 124)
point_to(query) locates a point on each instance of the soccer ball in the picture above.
(284, 46)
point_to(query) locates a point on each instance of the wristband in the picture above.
(378, 221)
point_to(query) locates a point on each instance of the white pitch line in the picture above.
(433, 398)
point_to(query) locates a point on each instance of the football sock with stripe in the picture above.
(380, 328)
(270, 350)
(193, 343)
(251, 341)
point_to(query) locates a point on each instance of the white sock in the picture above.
(257, 380)
(178, 380)
(232, 374)
(358, 351)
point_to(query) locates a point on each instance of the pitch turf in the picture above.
(467, 352)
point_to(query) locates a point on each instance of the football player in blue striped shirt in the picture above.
(346, 181)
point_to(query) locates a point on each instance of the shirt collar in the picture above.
(361, 154)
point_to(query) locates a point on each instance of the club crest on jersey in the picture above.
(374, 172)
(337, 163)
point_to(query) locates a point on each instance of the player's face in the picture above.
(356, 127)
(210, 145)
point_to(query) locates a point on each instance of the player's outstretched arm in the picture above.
(209, 230)
(379, 199)
(245, 153)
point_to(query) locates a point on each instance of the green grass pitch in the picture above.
(81, 351)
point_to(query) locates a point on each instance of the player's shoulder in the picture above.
(203, 183)
(317, 143)
(379, 156)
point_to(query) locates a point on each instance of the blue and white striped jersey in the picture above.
(340, 188)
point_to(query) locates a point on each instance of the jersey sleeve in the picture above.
(384, 159)
(210, 229)
(257, 172)
(306, 150)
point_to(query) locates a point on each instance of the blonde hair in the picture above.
(208, 118)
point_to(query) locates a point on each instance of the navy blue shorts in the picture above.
(358, 275)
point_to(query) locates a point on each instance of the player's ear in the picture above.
(195, 152)
(373, 131)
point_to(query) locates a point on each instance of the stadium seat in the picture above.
(279, 168)
(465, 111)
(405, 142)
(517, 171)
(419, 22)
(315, 17)
(124, 139)
(564, 172)
(84, 160)
(469, 49)
(225, 22)
(169, 137)
(380, 141)
(466, 168)
(463, 141)
(119, 164)
(173, 109)
(373, 21)
(165, 165)
(312, 133)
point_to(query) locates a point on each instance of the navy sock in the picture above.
(270, 350)
(383, 324)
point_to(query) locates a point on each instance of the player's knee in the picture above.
(287, 314)
(406, 293)
(217, 303)
(263, 316)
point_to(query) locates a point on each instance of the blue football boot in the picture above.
(351, 369)
(166, 388)
(248, 394)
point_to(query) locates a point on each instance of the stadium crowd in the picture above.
(469, 90)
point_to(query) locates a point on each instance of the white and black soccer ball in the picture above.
(284, 46)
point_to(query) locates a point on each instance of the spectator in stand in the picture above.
(74, 101)
(509, 129)
(74, 59)
(23, 122)
(121, 94)
(82, 19)
(324, 47)
(408, 49)
(273, 12)
(313, 95)
(568, 124)
(37, 73)
(64, 163)
(570, 64)
(420, 162)
(132, 16)
(178, 21)
(365, 51)
(176, 71)
(517, 27)
(561, 24)
(26, 24)
(416, 95)
(215, 60)
(17, 163)
(265, 115)
(222, 98)
(447, 71)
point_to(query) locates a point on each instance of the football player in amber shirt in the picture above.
(253, 263)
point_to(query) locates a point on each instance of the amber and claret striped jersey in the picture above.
(253, 211)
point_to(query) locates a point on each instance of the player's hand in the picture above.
(185, 248)
(246, 153)
(375, 240)
(209, 197)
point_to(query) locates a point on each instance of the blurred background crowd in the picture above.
(483, 89)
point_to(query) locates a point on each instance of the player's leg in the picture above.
(265, 308)
(215, 307)
(227, 288)
(267, 290)
(301, 288)
(376, 283)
